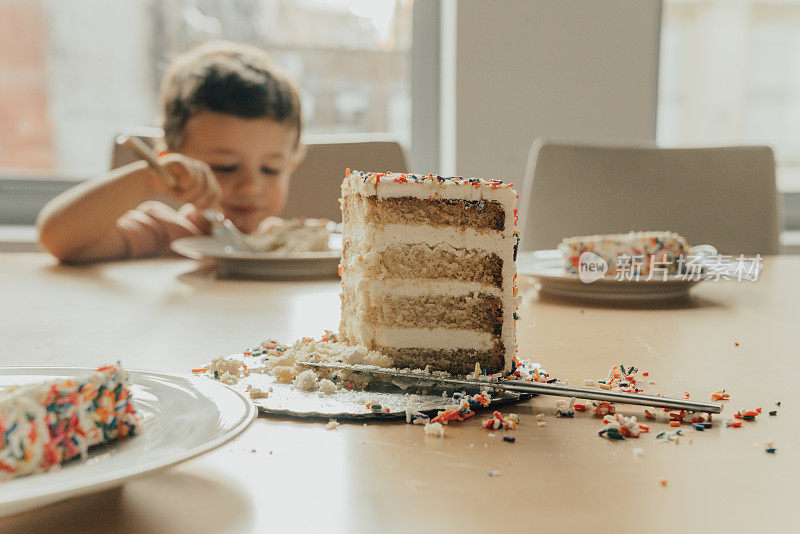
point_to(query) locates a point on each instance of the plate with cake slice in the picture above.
(638, 266)
(71, 431)
(279, 249)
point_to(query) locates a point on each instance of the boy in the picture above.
(231, 120)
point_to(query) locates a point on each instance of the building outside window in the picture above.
(74, 73)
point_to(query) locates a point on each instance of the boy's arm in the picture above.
(80, 224)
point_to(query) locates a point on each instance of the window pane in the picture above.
(74, 73)
(730, 73)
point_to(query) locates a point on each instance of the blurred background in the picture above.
(463, 86)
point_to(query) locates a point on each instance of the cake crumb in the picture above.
(257, 393)
(228, 379)
(663, 481)
(223, 365)
(434, 429)
(332, 424)
(306, 381)
(638, 452)
(327, 387)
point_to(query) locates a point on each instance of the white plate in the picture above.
(547, 267)
(180, 418)
(275, 265)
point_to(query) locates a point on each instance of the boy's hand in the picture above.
(195, 182)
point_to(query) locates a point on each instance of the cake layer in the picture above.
(455, 361)
(479, 214)
(360, 237)
(423, 261)
(478, 311)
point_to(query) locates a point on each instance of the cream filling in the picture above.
(421, 338)
(455, 236)
(403, 287)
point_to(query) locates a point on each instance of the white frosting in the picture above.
(413, 287)
(354, 184)
(26, 445)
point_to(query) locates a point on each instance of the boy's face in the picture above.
(251, 158)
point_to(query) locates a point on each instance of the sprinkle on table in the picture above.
(720, 395)
(619, 427)
(497, 421)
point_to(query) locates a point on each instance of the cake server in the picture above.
(521, 386)
(221, 227)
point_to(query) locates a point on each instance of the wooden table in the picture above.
(168, 315)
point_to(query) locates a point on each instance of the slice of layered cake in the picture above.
(428, 270)
(46, 424)
(636, 252)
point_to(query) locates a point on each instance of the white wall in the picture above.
(99, 79)
(565, 69)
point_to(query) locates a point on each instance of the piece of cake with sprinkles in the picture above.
(43, 425)
(428, 270)
(635, 252)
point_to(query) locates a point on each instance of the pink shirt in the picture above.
(150, 228)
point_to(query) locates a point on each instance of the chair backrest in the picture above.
(121, 155)
(315, 187)
(725, 197)
(316, 183)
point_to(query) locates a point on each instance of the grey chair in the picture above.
(725, 197)
(316, 183)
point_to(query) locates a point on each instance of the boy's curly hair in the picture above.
(230, 78)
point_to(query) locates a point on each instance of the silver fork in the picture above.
(226, 232)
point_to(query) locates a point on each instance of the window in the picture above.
(730, 74)
(74, 73)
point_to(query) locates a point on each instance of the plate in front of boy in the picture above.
(231, 263)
